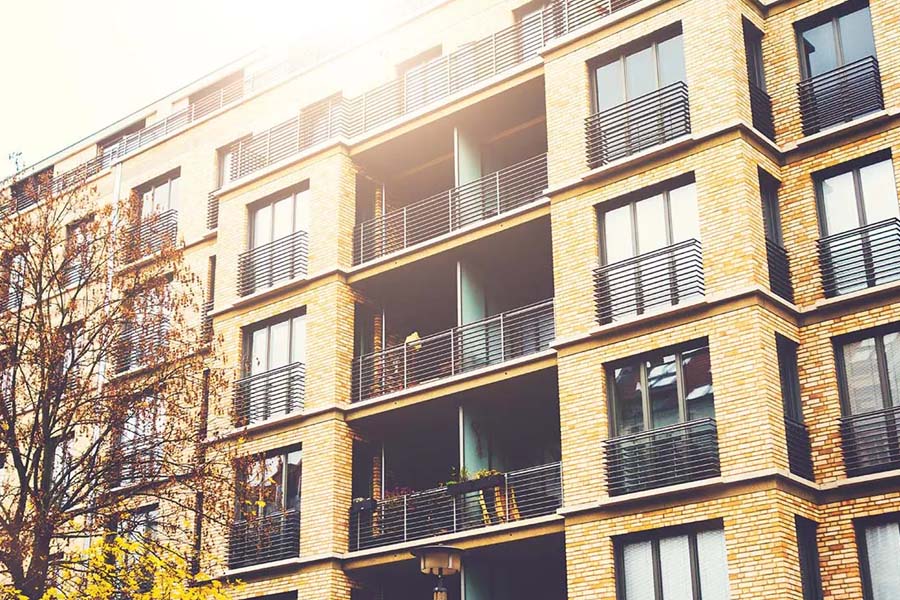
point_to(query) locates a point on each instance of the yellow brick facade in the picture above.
(756, 496)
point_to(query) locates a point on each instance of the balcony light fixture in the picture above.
(439, 561)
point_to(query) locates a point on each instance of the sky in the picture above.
(71, 67)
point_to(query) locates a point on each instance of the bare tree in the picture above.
(103, 387)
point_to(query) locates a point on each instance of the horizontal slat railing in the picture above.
(492, 195)
(860, 258)
(151, 235)
(799, 449)
(516, 495)
(871, 441)
(491, 341)
(140, 462)
(212, 211)
(779, 271)
(264, 539)
(207, 319)
(279, 391)
(638, 124)
(661, 457)
(663, 277)
(137, 343)
(281, 260)
(840, 95)
(761, 109)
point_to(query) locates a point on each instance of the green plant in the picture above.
(482, 473)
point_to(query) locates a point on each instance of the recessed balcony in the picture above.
(639, 124)
(840, 95)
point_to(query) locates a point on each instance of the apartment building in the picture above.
(605, 293)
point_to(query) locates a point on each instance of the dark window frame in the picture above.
(838, 344)
(654, 536)
(241, 479)
(852, 166)
(771, 206)
(808, 557)
(270, 201)
(248, 331)
(789, 377)
(753, 38)
(859, 527)
(642, 359)
(829, 15)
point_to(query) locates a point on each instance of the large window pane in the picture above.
(892, 358)
(675, 566)
(298, 343)
(651, 224)
(883, 550)
(637, 562)
(283, 218)
(861, 372)
(262, 226)
(857, 41)
(629, 400)
(698, 387)
(685, 219)
(713, 563)
(617, 234)
(839, 202)
(819, 49)
(879, 191)
(662, 384)
(259, 346)
(640, 73)
(279, 344)
(294, 472)
(610, 91)
(301, 211)
(671, 61)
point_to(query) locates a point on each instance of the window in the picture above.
(16, 265)
(753, 50)
(879, 549)
(639, 71)
(270, 485)
(768, 188)
(419, 80)
(141, 441)
(869, 374)
(642, 228)
(809, 558)
(688, 565)
(78, 265)
(227, 161)
(159, 195)
(790, 381)
(836, 39)
(276, 344)
(62, 467)
(660, 389)
(857, 197)
(145, 334)
(140, 527)
(280, 217)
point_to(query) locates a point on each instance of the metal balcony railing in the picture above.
(206, 324)
(275, 392)
(860, 258)
(151, 235)
(661, 457)
(492, 195)
(281, 260)
(841, 95)
(638, 124)
(663, 277)
(138, 343)
(761, 109)
(491, 341)
(871, 441)
(799, 449)
(264, 539)
(140, 462)
(779, 271)
(512, 496)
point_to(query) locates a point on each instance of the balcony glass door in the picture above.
(632, 234)
(857, 253)
(273, 225)
(273, 347)
(837, 42)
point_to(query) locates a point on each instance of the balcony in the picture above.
(141, 462)
(264, 539)
(871, 441)
(151, 235)
(799, 450)
(138, 343)
(860, 258)
(663, 277)
(492, 195)
(661, 457)
(779, 271)
(761, 109)
(841, 95)
(638, 124)
(281, 260)
(496, 499)
(491, 341)
(275, 392)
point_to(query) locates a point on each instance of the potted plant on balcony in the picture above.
(480, 480)
(360, 505)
